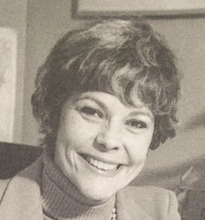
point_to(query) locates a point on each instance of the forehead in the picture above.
(126, 88)
(120, 83)
(125, 82)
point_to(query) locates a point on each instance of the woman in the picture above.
(105, 96)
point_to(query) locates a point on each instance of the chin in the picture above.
(98, 195)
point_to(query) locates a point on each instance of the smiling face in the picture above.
(102, 144)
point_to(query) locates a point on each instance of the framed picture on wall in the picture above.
(8, 57)
(147, 8)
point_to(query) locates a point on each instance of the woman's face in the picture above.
(102, 144)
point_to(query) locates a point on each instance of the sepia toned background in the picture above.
(38, 24)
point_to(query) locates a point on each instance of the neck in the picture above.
(61, 199)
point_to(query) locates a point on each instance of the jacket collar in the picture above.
(129, 209)
(22, 200)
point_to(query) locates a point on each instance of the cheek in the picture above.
(76, 131)
(138, 149)
(139, 155)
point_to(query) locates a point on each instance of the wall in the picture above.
(48, 20)
(186, 37)
(13, 14)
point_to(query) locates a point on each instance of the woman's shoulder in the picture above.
(146, 189)
(29, 176)
(3, 185)
(153, 200)
(153, 194)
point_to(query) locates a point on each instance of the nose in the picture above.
(109, 138)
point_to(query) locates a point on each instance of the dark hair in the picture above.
(120, 57)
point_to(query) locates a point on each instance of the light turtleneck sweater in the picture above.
(63, 201)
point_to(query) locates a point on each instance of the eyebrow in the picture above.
(101, 104)
(134, 113)
(144, 113)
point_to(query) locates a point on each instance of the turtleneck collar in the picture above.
(63, 201)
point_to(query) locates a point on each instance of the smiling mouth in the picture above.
(100, 165)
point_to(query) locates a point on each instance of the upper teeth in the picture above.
(102, 165)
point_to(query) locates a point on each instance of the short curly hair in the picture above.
(120, 57)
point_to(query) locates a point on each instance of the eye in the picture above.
(136, 124)
(91, 112)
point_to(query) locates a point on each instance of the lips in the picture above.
(101, 165)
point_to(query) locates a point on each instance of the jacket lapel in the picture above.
(128, 209)
(22, 198)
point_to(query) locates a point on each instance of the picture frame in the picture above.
(8, 78)
(132, 8)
